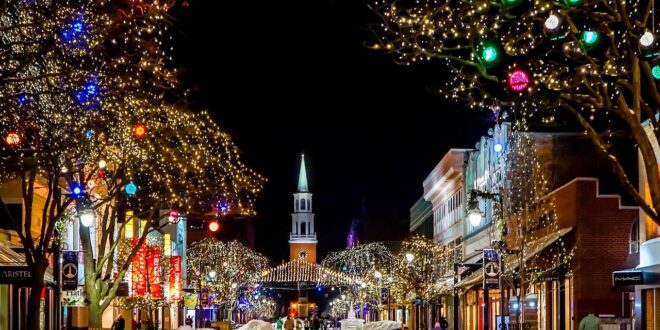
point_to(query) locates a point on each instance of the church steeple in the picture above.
(302, 177)
(302, 239)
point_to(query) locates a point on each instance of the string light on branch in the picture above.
(518, 80)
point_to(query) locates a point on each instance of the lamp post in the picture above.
(475, 216)
(378, 275)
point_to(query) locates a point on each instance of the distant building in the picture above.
(421, 218)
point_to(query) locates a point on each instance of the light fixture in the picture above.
(213, 274)
(513, 303)
(13, 139)
(87, 216)
(531, 300)
(378, 274)
(102, 163)
(410, 257)
(474, 213)
(234, 285)
(498, 147)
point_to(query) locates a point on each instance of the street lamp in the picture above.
(213, 274)
(474, 213)
(87, 216)
(531, 300)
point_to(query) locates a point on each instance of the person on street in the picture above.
(590, 322)
(119, 323)
(288, 324)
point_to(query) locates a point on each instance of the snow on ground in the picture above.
(257, 325)
(382, 325)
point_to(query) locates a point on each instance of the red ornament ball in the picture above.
(139, 130)
(518, 80)
(13, 139)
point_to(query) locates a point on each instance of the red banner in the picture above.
(175, 278)
(153, 262)
(138, 280)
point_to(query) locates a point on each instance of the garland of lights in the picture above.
(225, 268)
(300, 270)
(530, 211)
(84, 108)
(596, 60)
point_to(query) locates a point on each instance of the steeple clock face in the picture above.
(302, 254)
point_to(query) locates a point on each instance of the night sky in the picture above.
(292, 76)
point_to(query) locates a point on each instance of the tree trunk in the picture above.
(95, 315)
(34, 299)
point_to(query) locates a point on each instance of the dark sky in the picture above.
(291, 76)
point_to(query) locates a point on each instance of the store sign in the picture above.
(627, 277)
(491, 269)
(139, 270)
(175, 278)
(16, 275)
(74, 298)
(69, 270)
(204, 297)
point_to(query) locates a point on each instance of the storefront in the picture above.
(646, 281)
(15, 279)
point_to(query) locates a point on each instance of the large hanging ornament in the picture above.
(13, 139)
(589, 39)
(518, 80)
(573, 3)
(647, 39)
(130, 188)
(655, 71)
(139, 131)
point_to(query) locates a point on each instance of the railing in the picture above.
(294, 236)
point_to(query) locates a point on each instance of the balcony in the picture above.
(310, 237)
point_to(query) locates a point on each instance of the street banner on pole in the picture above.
(491, 268)
(69, 270)
(153, 264)
(139, 281)
(175, 278)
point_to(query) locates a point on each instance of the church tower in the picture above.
(302, 240)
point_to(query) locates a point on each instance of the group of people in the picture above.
(313, 324)
(120, 324)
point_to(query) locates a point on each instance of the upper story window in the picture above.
(634, 237)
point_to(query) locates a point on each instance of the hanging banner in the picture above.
(69, 270)
(175, 278)
(139, 263)
(491, 269)
(153, 264)
(190, 300)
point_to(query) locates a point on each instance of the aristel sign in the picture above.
(20, 275)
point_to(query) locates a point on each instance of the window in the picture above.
(302, 204)
(303, 228)
(634, 237)
(297, 205)
(309, 204)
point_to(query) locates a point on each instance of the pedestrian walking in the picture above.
(119, 323)
(590, 322)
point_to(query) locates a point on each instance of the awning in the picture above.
(11, 258)
(534, 248)
(473, 279)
